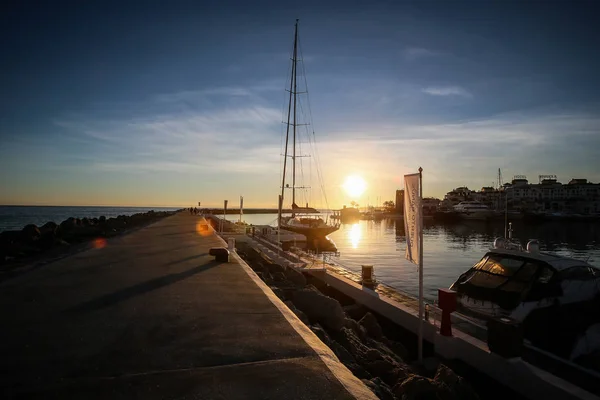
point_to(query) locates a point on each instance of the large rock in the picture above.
(379, 387)
(372, 327)
(102, 219)
(30, 233)
(320, 308)
(457, 385)
(416, 387)
(295, 277)
(356, 311)
(383, 347)
(279, 277)
(321, 334)
(356, 328)
(275, 268)
(49, 228)
(301, 316)
(67, 225)
(346, 358)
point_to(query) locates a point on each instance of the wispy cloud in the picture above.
(447, 91)
(415, 53)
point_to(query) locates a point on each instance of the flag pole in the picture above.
(420, 345)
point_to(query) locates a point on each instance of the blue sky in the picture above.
(115, 103)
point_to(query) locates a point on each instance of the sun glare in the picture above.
(355, 185)
(355, 234)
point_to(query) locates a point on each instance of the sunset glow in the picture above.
(355, 185)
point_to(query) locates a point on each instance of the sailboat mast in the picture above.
(294, 77)
(287, 133)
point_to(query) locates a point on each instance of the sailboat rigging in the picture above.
(304, 220)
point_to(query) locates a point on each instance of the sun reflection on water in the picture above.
(355, 235)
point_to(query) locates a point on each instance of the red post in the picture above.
(447, 302)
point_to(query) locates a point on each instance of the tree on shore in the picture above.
(389, 206)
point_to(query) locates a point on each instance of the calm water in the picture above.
(16, 217)
(449, 250)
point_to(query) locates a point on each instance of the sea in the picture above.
(448, 249)
(16, 217)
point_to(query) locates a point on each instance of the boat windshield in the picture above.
(499, 278)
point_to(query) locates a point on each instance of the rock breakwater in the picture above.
(356, 337)
(51, 239)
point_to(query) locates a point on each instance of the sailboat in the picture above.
(304, 220)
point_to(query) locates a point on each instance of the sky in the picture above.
(124, 103)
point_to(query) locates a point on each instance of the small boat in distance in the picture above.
(473, 210)
(307, 220)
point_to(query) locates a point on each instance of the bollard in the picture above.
(447, 302)
(231, 244)
(221, 254)
(367, 274)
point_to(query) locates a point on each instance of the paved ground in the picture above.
(152, 316)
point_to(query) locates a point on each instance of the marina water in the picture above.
(449, 250)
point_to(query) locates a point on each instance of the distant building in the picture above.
(430, 204)
(578, 196)
(400, 201)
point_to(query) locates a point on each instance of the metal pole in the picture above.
(421, 308)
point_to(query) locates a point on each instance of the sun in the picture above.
(355, 185)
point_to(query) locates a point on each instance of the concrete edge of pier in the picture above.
(516, 373)
(350, 382)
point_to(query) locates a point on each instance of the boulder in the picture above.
(275, 268)
(383, 348)
(321, 334)
(67, 225)
(371, 326)
(379, 387)
(387, 369)
(85, 222)
(102, 219)
(296, 277)
(346, 358)
(278, 292)
(456, 384)
(418, 387)
(301, 316)
(320, 308)
(49, 228)
(30, 233)
(356, 328)
(279, 277)
(356, 311)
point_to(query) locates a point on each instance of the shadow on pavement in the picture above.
(141, 288)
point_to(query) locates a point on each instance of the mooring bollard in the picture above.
(447, 302)
(221, 254)
(367, 274)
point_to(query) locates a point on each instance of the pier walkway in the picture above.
(151, 315)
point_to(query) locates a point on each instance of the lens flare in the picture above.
(203, 228)
(99, 243)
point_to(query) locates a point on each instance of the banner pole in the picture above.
(420, 346)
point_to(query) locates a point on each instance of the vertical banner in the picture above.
(198, 204)
(413, 214)
(241, 207)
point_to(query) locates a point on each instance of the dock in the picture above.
(152, 315)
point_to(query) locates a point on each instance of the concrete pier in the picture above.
(151, 315)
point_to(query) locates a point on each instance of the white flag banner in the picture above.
(241, 205)
(413, 211)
